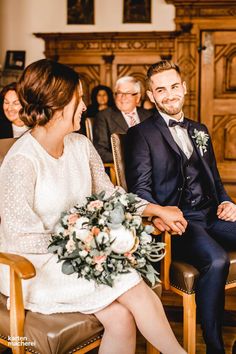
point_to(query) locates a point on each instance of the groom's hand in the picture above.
(171, 219)
(227, 211)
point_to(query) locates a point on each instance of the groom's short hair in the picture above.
(160, 66)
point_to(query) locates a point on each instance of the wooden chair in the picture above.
(177, 276)
(89, 133)
(59, 333)
(5, 145)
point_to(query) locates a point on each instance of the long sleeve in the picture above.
(102, 136)
(138, 165)
(22, 229)
(100, 180)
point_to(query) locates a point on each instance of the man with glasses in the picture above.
(120, 118)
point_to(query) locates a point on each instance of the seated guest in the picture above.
(11, 126)
(101, 98)
(118, 119)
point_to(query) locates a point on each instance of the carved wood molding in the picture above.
(204, 8)
(104, 43)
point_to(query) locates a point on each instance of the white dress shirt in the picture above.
(179, 134)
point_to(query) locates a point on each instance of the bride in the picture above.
(46, 172)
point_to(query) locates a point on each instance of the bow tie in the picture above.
(173, 123)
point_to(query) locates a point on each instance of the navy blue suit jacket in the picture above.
(154, 166)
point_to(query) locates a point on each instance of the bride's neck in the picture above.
(50, 140)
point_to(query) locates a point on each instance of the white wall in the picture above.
(19, 19)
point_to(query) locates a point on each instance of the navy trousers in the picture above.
(204, 245)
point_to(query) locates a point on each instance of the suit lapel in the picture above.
(119, 120)
(191, 128)
(160, 123)
(142, 114)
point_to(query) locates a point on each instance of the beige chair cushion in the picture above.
(183, 276)
(54, 334)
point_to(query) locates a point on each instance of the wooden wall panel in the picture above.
(204, 46)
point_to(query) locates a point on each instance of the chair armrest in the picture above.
(166, 262)
(112, 172)
(20, 268)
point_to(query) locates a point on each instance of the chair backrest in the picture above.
(89, 128)
(118, 147)
(5, 145)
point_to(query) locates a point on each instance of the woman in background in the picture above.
(11, 126)
(101, 98)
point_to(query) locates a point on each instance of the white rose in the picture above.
(59, 229)
(137, 220)
(81, 222)
(82, 234)
(70, 246)
(145, 238)
(123, 199)
(124, 240)
(101, 221)
(102, 237)
(83, 253)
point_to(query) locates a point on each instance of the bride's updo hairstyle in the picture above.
(45, 87)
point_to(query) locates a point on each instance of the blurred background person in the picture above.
(101, 98)
(11, 126)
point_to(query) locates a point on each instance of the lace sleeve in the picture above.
(101, 181)
(23, 231)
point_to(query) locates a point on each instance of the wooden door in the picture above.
(218, 99)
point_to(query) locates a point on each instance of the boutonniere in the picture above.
(201, 139)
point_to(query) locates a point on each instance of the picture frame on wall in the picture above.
(136, 11)
(80, 12)
(15, 60)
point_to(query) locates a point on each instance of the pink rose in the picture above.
(99, 259)
(95, 204)
(72, 219)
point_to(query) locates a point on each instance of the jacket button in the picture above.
(180, 189)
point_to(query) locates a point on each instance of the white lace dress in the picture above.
(35, 189)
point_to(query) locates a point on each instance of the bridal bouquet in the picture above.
(104, 238)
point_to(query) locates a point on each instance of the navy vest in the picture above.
(194, 193)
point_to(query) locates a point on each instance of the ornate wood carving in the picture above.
(104, 57)
(208, 64)
(204, 8)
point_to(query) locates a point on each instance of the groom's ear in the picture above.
(150, 96)
(185, 87)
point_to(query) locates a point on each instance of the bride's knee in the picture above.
(118, 319)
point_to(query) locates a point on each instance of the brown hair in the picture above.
(9, 87)
(160, 66)
(44, 88)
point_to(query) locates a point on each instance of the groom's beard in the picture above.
(172, 107)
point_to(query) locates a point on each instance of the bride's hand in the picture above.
(170, 218)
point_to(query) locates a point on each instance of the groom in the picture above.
(170, 161)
